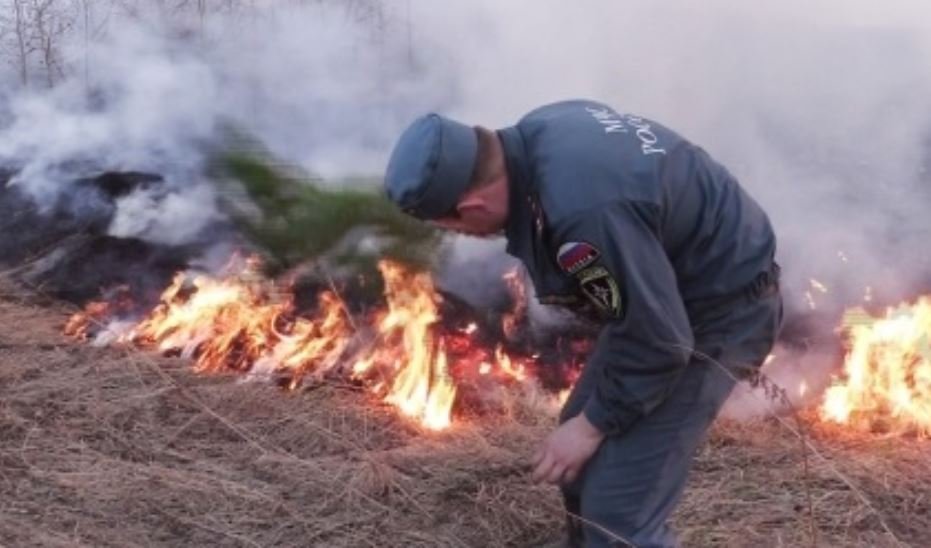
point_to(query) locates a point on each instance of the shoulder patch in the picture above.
(574, 256)
(599, 286)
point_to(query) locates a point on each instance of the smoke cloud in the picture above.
(819, 108)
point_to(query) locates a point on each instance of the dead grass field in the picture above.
(114, 447)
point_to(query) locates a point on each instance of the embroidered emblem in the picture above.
(574, 256)
(599, 286)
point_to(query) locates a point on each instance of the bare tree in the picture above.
(23, 40)
(94, 17)
(51, 20)
(32, 31)
(6, 27)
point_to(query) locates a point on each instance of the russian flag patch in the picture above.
(574, 256)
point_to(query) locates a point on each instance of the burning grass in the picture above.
(109, 447)
(402, 350)
(887, 373)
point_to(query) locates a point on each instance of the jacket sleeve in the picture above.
(615, 254)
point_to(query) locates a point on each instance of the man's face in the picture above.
(472, 224)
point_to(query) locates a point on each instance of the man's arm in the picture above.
(647, 340)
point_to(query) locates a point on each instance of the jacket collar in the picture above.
(520, 222)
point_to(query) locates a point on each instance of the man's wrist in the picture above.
(589, 429)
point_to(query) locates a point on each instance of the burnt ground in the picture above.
(115, 447)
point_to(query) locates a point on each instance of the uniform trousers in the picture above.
(632, 484)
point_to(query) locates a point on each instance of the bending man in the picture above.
(619, 217)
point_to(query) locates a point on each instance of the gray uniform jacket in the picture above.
(618, 212)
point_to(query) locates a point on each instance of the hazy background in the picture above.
(819, 107)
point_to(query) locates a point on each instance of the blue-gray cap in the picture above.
(431, 166)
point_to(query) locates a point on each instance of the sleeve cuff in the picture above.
(610, 422)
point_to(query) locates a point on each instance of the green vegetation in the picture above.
(293, 218)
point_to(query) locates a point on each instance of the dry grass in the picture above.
(105, 447)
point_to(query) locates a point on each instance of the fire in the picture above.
(240, 321)
(227, 323)
(510, 368)
(422, 388)
(511, 322)
(818, 286)
(406, 355)
(79, 324)
(887, 371)
(311, 347)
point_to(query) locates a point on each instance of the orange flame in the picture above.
(887, 371)
(422, 387)
(510, 322)
(79, 324)
(515, 370)
(240, 321)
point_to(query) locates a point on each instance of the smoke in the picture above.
(174, 218)
(150, 108)
(820, 112)
(820, 108)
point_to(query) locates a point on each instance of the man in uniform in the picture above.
(614, 214)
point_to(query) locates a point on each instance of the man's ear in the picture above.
(469, 202)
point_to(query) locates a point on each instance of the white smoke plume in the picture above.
(820, 108)
(150, 108)
(321, 87)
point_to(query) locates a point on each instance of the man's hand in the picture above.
(565, 451)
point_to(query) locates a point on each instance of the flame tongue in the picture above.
(239, 321)
(422, 387)
(242, 322)
(887, 372)
(226, 323)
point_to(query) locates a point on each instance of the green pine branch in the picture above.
(294, 219)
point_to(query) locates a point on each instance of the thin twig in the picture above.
(342, 301)
(806, 478)
(847, 481)
(603, 530)
(774, 392)
(242, 433)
